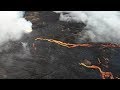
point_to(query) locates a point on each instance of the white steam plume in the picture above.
(13, 25)
(102, 26)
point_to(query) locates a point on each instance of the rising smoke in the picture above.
(101, 26)
(13, 26)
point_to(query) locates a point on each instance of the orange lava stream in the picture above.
(104, 75)
(68, 45)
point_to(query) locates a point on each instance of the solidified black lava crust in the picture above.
(52, 61)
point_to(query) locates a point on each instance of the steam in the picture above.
(26, 50)
(101, 26)
(13, 26)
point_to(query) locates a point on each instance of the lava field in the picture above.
(39, 59)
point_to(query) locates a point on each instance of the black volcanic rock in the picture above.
(52, 61)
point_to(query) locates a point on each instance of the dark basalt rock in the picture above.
(52, 61)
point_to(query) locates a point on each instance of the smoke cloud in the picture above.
(13, 26)
(101, 26)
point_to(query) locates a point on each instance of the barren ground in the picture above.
(52, 61)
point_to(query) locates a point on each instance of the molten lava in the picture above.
(68, 45)
(104, 75)
(28, 30)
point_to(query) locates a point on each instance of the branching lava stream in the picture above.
(104, 75)
(68, 45)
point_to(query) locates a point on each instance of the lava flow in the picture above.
(104, 75)
(68, 45)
